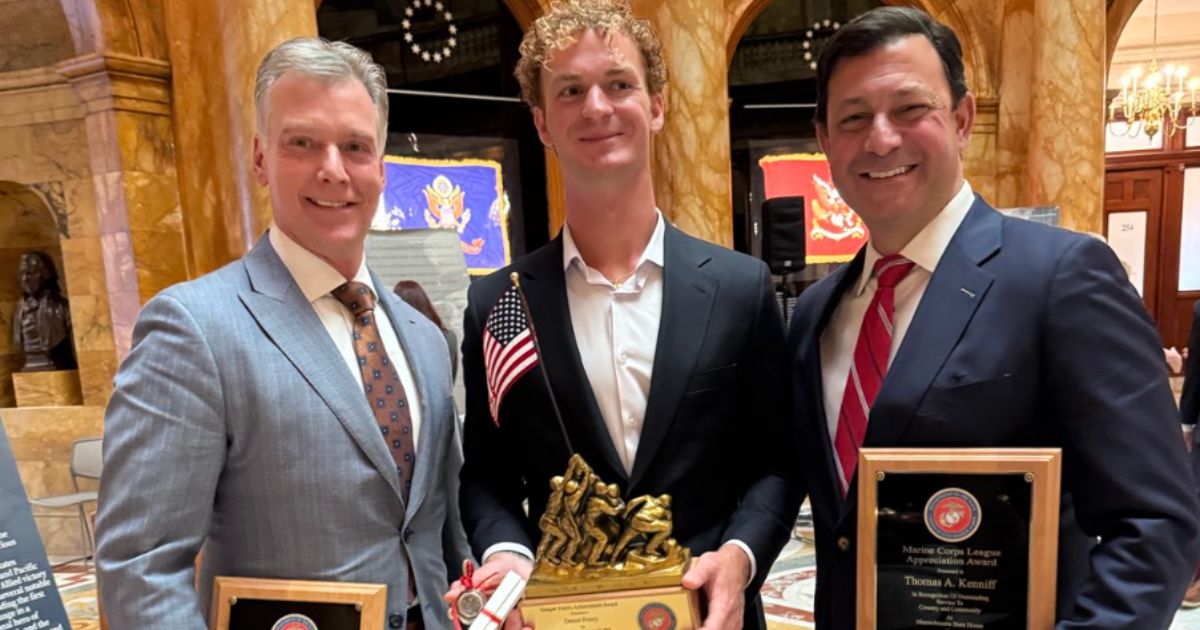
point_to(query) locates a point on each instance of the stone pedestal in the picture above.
(56, 388)
(41, 440)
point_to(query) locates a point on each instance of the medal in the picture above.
(470, 602)
(469, 605)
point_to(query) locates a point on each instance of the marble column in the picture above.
(1066, 131)
(129, 139)
(215, 47)
(692, 154)
(1050, 144)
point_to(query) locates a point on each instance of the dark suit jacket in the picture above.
(1026, 336)
(716, 418)
(1189, 401)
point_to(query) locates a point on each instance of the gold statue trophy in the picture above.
(606, 564)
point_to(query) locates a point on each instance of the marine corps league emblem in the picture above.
(656, 617)
(294, 621)
(831, 217)
(952, 515)
(447, 210)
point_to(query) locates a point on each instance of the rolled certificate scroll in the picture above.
(502, 602)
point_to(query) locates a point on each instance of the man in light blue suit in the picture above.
(287, 412)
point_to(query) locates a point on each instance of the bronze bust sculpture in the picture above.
(42, 322)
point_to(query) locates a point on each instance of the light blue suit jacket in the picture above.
(235, 424)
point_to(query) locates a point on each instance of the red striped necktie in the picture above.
(868, 365)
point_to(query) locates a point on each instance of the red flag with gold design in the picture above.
(833, 232)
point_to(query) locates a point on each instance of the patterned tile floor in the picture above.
(78, 589)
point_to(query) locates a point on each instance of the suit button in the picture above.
(843, 543)
(408, 535)
(395, 620)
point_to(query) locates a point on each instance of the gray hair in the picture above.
(318, 57)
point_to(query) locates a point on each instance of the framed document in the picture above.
(263, 604)
(957, 538)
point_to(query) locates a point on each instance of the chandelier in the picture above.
(1153, 100)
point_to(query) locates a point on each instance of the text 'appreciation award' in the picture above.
(963, 538)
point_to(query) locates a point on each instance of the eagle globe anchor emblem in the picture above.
(607, 560)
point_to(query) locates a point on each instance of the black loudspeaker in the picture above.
(783, 234)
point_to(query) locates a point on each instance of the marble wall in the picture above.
(85, 122)
(691, 155)
(215, 47)
(46, 164)
(41, 440)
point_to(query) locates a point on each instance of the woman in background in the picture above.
(411, 292)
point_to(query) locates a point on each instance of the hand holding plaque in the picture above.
(604, 563)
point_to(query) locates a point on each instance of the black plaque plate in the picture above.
(264, 614)
(953, 550)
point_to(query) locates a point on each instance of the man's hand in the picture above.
(488, 576)
(1174, 359)
(723, 575)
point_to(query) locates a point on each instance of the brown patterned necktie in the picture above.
(381, 381)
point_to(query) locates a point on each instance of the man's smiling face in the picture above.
(321, 161)
(893, 139)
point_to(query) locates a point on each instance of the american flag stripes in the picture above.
(508, 348)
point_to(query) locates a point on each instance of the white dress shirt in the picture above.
(316, 278)
(616, 332)
(841, 334)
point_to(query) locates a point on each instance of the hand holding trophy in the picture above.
(603, 562)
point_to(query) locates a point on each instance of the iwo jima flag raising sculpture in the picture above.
(600, 559)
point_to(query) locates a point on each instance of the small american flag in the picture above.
(508, 350)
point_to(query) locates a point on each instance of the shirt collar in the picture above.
(652, 253)
(315, 277)
(927, 247)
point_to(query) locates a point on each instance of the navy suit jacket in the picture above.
(1026, 336)
(1189, 402)
(716, 424)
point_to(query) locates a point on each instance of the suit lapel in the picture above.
(545, 288)
(828, 296)
(688, 295)
(405, 326)
(955, 291)
(287, 318)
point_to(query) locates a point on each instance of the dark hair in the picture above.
(411, 292)
(881, 26)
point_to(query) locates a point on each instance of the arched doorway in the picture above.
(26, 224)
(772, 93)
(1152, 182)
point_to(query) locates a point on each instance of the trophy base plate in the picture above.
(667, 608)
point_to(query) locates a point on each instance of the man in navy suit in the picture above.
(1189, 401)
(1189, 411)
(664, 352)
(958, 327)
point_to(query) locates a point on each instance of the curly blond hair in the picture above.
(560, 27)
